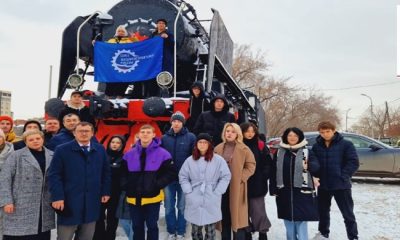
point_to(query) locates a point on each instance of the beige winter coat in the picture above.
(242, 166)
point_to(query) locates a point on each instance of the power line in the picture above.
(361, 86)
(397, 99)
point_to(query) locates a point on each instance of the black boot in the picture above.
(248, 236)
(262, 236)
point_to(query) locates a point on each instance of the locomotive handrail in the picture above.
(175, 23)
(105, 15)
(78, 39)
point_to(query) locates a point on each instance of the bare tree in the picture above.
(285, 104)
(249, 68)
(382, 124)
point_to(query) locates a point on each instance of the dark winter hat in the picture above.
(204, 136)
(162, 20)
(178, 116)
(77, 92)
(34, 122)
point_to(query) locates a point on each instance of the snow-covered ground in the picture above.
(377, 209)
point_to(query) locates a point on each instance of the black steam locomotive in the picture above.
(200, 56)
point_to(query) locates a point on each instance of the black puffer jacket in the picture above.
(213, 122)
(115, 160)
(293, 204)
(334, 165)
(83, 112)
(197, 105)
(258, 182)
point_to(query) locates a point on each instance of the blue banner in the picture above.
(128, 62)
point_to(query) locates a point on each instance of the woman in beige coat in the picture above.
(241, 162)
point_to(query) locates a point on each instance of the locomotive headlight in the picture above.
(164, 79)
(75, 80)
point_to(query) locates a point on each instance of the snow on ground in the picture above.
(377, 209)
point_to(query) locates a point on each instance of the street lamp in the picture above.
(372, 114)
(347, 116)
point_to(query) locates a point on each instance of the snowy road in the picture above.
(377, 209)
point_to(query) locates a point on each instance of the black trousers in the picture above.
(39, 236)
(345, 203)
(227, 221)
(107, 224)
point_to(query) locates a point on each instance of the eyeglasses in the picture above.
(83, 131)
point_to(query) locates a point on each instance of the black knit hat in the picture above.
(204, 136)
(77, 92)
(178, 116)
(30, 122)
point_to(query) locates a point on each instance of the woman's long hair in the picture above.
(209, 154)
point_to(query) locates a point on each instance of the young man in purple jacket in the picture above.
(149, 170)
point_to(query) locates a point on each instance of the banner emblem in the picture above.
(125, 61)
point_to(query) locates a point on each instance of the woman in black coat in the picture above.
(293, 185)
(258, 183)
(106, 226)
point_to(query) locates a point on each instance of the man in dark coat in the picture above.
(198, 103)
(213, 121)
(161, 31)
(66, 134)
(51, 128)
(79, 181)
(77, 106)
(334, 160)
(179, 142)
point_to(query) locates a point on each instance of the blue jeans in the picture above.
(296, 230)
(173, 194)
(148, 214)
(126, 225)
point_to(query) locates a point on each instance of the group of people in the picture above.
(211, 173)
(122, 36)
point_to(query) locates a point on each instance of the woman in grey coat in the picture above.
(6, 149)
(24, 194)
(204, 177)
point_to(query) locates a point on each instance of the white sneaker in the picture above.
(171, 237)
(319, 236)
(180, 237)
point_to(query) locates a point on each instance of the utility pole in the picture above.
(50, 79)
(347, 116)
(387, 117)
(372, 115)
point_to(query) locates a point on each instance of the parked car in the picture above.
(273, 144)
(376, 158)
(387, 140)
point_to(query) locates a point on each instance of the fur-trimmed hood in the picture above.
(73, 107)
(294, 147)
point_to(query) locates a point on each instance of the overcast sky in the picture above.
(327, 45)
